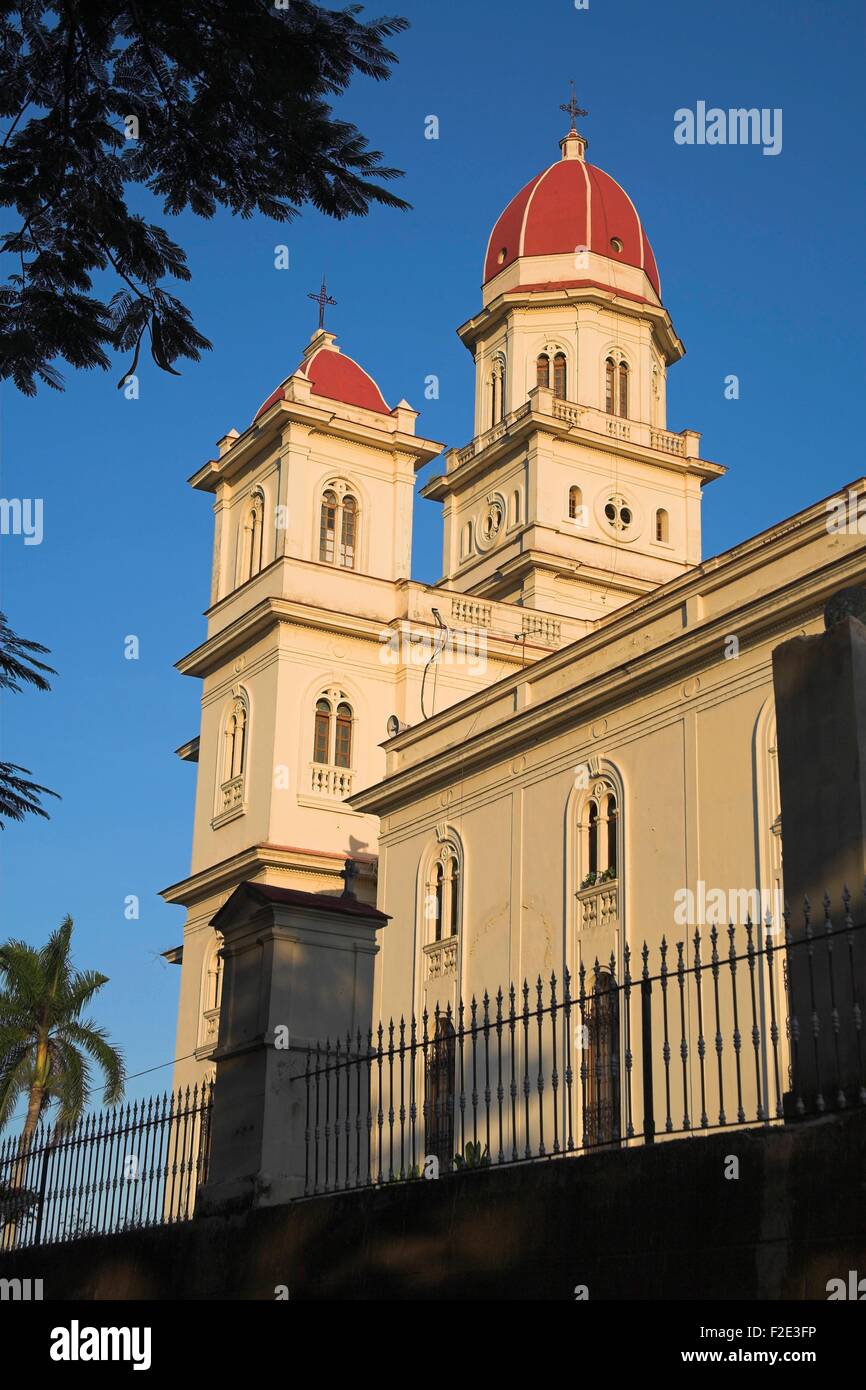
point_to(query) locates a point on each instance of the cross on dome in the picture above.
(322, 298)
(572, 109)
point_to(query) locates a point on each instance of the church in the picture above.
(532, 765)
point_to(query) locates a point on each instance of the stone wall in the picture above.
(655, 1223)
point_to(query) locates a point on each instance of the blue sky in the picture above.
(761, 269)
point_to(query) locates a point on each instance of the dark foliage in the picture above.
(18, 667)
(231, 104)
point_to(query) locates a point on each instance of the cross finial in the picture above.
(322, 298)
(572, 109)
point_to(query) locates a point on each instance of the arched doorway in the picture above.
(601, 1122)
(440, 1081)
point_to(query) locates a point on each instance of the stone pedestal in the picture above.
(820, 691)
(298, 967)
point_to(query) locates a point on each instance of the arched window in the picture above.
(592, 838)
(611, 834)
(331, 773)
(656, 396)
(610, 386)
(575, 503)
(542, 370)
(438, 899)
(497, 390)
(623, 388)
(233, 758)
(333, 725)
(559, 376)
(343, 739)
(338, 527)
(443, 895)
(214, 980)
(211, 998)
(600, 831)
(454, 896)
(254, 536)
(616, 385)
(322, 732)
(347, 535)
(328, 528)
(235, 741)
(661, 524)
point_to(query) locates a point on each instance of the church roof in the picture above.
(571, 204)
(335, 376)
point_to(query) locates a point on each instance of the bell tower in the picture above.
(572, 496)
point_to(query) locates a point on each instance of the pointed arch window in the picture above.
(236, 741)
(559, 376)
(575, 503)
(542, 370)
(253, 537)
(662, 525)
(231, 776)
(211, 998)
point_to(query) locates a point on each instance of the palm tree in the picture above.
(18, 667)
(45, 1045)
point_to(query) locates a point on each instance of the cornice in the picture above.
(531, 423)
(521, 297)
(256, 859)
(317, 420)
(756, 619)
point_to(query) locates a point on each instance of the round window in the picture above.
(618, 514)
(616, 244)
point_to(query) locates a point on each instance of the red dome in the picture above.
(337, 377)
(571, 204)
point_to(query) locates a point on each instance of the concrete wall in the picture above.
(658, 1223)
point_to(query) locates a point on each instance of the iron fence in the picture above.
(695, 1037)
(131, 1166)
